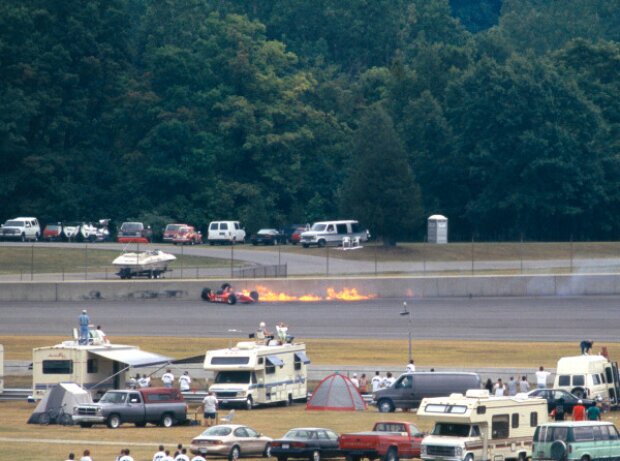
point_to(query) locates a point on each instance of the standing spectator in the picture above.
(524, 386)
(355, 381)
(541, 378)
(586, 346)
(86, 456)
(410, 367)
(198, 458)
(579, 411)
(182, 456)
(388, 381)
(126, 455)
(168, 457)
(185, 382)
(209, 408)
(144, 381)
(84, 321)
(558, 411)
(363, 384)
(160, 455)
(512, 386)
(167, 378)
(594, 412)
(376, 381)
(489, 386)
(71, 457)
(180, 445)
(499, 388)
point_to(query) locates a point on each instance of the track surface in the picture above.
(531, 319)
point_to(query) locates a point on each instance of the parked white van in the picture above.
(255, 373)
(225, 232)
(476, 426)
(589, 376)
(324, 233)
(21, 229)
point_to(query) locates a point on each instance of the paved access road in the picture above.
(531, 319)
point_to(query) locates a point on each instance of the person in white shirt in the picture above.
(541, 378)
(355, 381)
(71, 457)
(209, 408)
(524, 386)
(388, 381)
(144, 381)
(410, 366)
(185, 382)
(376, 381)
(168, 457)
(160, 455)
(126, 456)
(182, 456)
(198, 458)
(499, 388)
(167, 378)
(86, 456)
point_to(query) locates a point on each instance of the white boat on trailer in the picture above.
(151, 264)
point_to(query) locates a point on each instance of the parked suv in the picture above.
(576, 440)
(225, 232)
(21, 229)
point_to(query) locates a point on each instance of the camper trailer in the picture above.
(589, 376)
(97, 366)
(478, 427)
(254, 373)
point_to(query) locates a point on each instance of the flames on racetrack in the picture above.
(346, 294)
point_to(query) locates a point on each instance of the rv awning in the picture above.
(275, 361)
(133, 357)
(302, 357)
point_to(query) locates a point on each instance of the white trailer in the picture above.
(254, 373)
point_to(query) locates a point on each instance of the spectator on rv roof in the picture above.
(262, 333)
(376, 381)
(84, 321)
(102, 336)
(524, 386)
(541, 377)
(160, 455)
(586, 346)
(499, 389)
(355, 381)
(185, 382)
(511, 386)
(167, 378)
(410, 366)
(363, 387)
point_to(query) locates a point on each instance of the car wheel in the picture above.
(391, 455)
(385, 406)
(232, 299)
(66, 420)
(320, 243)
(36, 237)
(254, 295)
(166, 420)
(315, 456)
(23, 238)
(579, 392)
(469, 458)
(305, 245)
(205, 294)
(249, 403)
(234, 453)
(114, 421)
(267, 451)
(558, 450)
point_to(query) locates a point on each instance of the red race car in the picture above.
(226, 295)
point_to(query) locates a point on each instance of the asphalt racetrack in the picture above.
(526, 319)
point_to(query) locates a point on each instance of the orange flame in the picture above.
(347, 294)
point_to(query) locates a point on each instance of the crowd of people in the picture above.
(162, 454)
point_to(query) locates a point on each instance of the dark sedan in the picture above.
(553, 396)
(311, 443)
(267, 237)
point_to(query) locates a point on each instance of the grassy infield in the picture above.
(21, 441)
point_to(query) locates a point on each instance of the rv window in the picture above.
(609, 374)
(475, 431)
(92, 366)
(230, 360)
(596, 379)
(260, 360)
(232, 377)
(440, 408)
(533, 419)
(270, 368)
(564, 380)
(57, 367)
(341, 228)
(481, 410)
(515, 420)
(499, 429)
(583, 433)
(297, 363)
(579, 380)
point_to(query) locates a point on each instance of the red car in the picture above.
(226, 296)
(187, 235)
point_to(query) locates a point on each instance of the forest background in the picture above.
(503, 116)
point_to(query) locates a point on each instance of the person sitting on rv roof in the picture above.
(101, 336)
(586, 346)
(281, 331)
(262, 333)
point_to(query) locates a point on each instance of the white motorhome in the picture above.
(476, 426)
(332, 233)
(254, 373)
(97, 366)
(589, 376)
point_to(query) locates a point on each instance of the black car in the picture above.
(553, 396)
(311, 443)
(268, 237)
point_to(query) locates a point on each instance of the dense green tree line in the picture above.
(503, 116)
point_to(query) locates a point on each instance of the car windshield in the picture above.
(14, 223)
(454, 430)
(173, 227)
(267, 231)
(113, 397)
(219, 431)
(298, 434)
(131, 226)
(318, 227)
(52, 227)
(236, 377)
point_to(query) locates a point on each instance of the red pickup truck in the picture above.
(388, 440)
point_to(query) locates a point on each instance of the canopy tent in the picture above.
(57, 404)
(132, 357)
(336, 392)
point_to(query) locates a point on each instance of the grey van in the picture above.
(410, 388)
